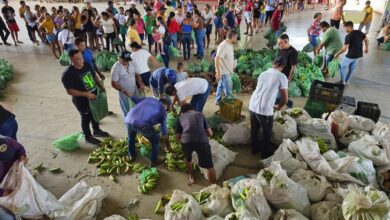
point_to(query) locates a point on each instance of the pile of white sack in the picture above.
(336, 167)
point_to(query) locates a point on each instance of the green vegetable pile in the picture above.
(105, 60)
(175, 158)
(6, 74)
(201, 197)
(148, 180)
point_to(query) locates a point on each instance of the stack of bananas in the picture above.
(111, 157)
(144, 146)
(201, 197)
(162, 203)
(138, 167)
(148, 180)
(175, 157)
(178, 206)
(244, 194)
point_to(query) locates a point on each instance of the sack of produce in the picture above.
(272, 40)
(381, 130)
(318, 128)
(360, 123)
(268, 33)
(338, 122)
(294, 90)
(315, 185)
(205, 66)
(114, 217)
(334, 68)
(99, 106)
(326, 210)
(319, 60)
(112, 58)
(69, 142)
(214, 200)
(281, 191)
(101, 61)
(283, 27)
(384, 178)
(215, 217)
(236, 83)
(351, 135)
(310, 152)
(304, 58)
(160, 59)
(248, 194)
(148, 179)
(237, 135)
(288, 214)
(371, 148)
(386, 46)
(333, 195)
(367, 203)
(64, 59)
(173, 52)
(182, 206)
(241, 214)
(284, 127)
(299, 114)
(256, 73)
(308, 48)
(289, 157)
(117, 41)
(305, 87)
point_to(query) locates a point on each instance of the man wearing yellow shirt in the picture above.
(368, 18)
(132, 34)
(48, 26)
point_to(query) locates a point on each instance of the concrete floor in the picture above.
(45, 112)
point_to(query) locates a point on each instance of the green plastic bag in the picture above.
(305, 87)
(111, 59)
(272, 40)
(256, 73)
(117, 41)
(308, 48)
(242, 67)
(99, 106)
(268, 33)
(64, 59)
(171, 120)
(159, 58)
(205, 66)
(145, 150)
(173, 52)
(283, 27)
(334, 67)
(386, 46)
(101, 62)
(236, 83)
(294, 90)
(69, 142)
(319, 60)
(147, 173)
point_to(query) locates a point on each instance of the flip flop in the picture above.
(190, 179)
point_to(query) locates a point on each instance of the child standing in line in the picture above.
(140, 26)
(180, 74)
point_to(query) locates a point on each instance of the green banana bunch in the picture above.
(39, 168)
(149, 181)
(244, 194)
(233, 217)
(138, 167)
(55, 170)
(162, 202)
(133, 217)
(201, 197)
(178, 206)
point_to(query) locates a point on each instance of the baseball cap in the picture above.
(126, 56)
(280, 60)
(6, 152)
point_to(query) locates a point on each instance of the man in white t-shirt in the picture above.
(198, 88)
(262, 105)
(125, 79)
(224, 66)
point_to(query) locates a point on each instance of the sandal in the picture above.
(191, 179)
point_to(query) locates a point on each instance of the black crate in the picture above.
(348, 100)
(328, 92)
(368, 110)
(346, 108)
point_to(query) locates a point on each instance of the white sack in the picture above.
(114, 217)
(333, 195)
(28, 198)
(315, 185)
(281, 191)
(81, 202)
(215, 217)
(289, 214)
(315, 127)
(237, 135)
(384, 178)
(338, 122)
(191, 210)
(381, 130)
(283, 127)
(219, 202)
(255, 203)
(371, 148)
(351, 135)
(299, 114)
(241, 214)
(326, 210)
(360, 123)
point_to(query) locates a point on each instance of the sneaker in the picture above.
(8, 44)
(156, 163)
(92, 140)
(101, 133)
(346, 83)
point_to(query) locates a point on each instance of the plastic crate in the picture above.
(368, 110)
(346, 108)
(315, 108)
(348, 100)
(328, 92)
(230, 110)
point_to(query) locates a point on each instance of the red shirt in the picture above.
(249, 6)
(276, 19)
(174, 27)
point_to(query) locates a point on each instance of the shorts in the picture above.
(150, 39)
(314, 40)
(209, 29)
(145, 78)
(203, 150)
(13, 27)
(248, 16)
(262, 18)
(51, 38)
(142, 36)
(218, 23)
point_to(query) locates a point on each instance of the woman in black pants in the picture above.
(269, 10)
(110, 30)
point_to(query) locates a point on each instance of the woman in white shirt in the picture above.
(110, 31)
(66, 38)
(32, 24)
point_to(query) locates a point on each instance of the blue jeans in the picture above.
(351, 65)
(314, 40)
(5, 214)
(165, 56)
(289, 104)
(9, 128)
(328, 58)
(199, 101)
(174, 39)
(186, 41)
(225, 84)
(69, 47)
(147, 132)
(125, 103)
(199, 36)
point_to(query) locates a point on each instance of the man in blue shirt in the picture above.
(230, 19)
(160, 78)
(87, 55)
(147, 113)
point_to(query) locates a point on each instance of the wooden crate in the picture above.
(230, 110)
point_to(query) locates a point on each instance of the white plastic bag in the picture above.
(360, 123)
(237, 135)
(191, 210)
(315, 185)
(288, 214)
(371, 148)
(384, 178)
(219, 203)
(114, 217)
(316, 127)
(333, 195)
(338, 122)
(311, 154)
(215, 217)
(222, 157)
(255, 201)
(299, 114)
(281, 191)
(289, 157)
(283, 127)
(381, 130)
(365, 204)
(242, 214)
(351, 135)
(326, 210)
(28, 198)
(81, 202)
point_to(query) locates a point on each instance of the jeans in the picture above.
(199, 36)
(9, 128)
(328, 58)
(147, 132)
(165, 56)
(5, 214)
(361, 25)
(174, 39)
(69, 47)
(126, 106)
(314, 40)
(224, 84)
(109, 39)
(199, 101)
(86, 118)
(4, 33)
(351, 65)
(289, 104)
(266, 122)
(268, 16)
(186, 41)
